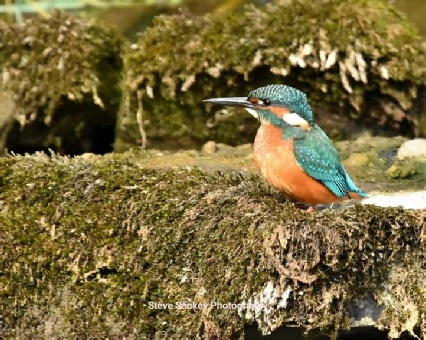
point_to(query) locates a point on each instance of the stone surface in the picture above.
(405, 199)
(412, 148)
(400, 171)
(358, 159)
(106, 238)
(210, 147)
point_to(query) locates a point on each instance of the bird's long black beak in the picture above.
(231, 101)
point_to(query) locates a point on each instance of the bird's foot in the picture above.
(309, 208)
(299, 205)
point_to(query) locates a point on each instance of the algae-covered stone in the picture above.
(367, 143)
(360, 62)
(373, 163)
(97, 247)
(358, 159)
(63, 75)
(400, 171)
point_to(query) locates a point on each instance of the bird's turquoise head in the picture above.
(274, 104)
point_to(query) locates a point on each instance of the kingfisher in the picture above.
(291, 151)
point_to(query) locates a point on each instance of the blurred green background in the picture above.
(132, 16)
(121, 69)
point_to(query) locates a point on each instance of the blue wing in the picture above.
(317, 156)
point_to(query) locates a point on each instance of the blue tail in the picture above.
(352, 187)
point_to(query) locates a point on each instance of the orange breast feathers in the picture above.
(275, 159)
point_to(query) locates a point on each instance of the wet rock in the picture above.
(400, 171)
(406, 199)
(210, 147)
(412, 148)
(358, 159)
(367, 143)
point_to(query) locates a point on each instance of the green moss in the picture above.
(7, 109)
(62, 73)
(344, 54)
(400, 171)
(52, 57)
(87, 243)
(359, 159)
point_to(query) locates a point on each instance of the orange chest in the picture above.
(277, 163)
(274, 156)
(269, 147)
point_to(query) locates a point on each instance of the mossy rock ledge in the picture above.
(90, 244)
(361, 63)
(60, 85)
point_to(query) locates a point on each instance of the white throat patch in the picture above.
(294, 119)
(253, 113)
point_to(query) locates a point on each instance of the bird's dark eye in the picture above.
(266, 102)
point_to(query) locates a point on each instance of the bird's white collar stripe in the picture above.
(294, 119)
